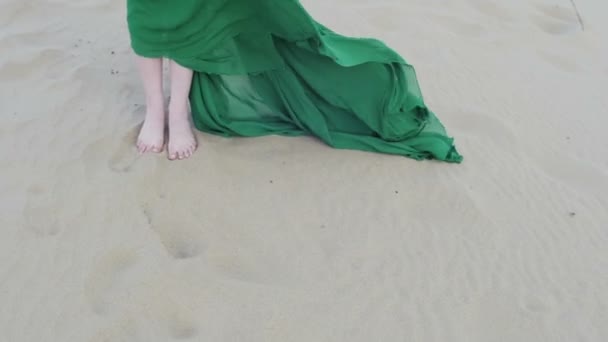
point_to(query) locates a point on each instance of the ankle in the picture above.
(178, 107)
(155, 114)
(178, 117)
(156, 102)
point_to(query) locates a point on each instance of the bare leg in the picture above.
(181, 138)
(152, 135)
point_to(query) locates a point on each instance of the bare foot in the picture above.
(152, 134)
(182, 142)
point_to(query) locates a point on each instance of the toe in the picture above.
(172, 155)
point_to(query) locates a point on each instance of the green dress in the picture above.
(267, 67)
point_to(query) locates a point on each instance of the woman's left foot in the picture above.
(182, 142)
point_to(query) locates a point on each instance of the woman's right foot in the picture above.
(152, 134)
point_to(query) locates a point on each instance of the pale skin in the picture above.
(181, 142)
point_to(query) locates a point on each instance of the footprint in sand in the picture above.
(557, 20)
(181, 327)
(459, 26)
(105, 276)
(41, 211)
(479, 316)
(535, 304)
(175, 229)
(123, 159)
(492, 9)
(177, 326)
(40, 61)
(573, 172)
(559, 62)
(494, 129)
(122, 330)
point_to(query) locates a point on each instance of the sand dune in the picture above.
(284, 239)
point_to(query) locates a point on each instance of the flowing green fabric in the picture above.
(267, 67)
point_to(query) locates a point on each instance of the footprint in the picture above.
(377, 17)
(123, 159)
(242, 268)
(41, 214)
(567, 14)
(479, 319)
(459, 26)
(536, 304)
(557, 20)
(495, 130)
(171, 307)
(14, 70)
(125, 156)
(573, 172)
(120, 150)
(559, 62)
(176, 229)
(492, 9)
(106, 273)
(124, 330)
(181, 327)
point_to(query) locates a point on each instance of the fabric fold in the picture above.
(272, 69)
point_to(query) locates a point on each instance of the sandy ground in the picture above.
(284, 239)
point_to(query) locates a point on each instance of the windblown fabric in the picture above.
(267, 67)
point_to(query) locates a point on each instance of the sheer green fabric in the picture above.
(267, 67)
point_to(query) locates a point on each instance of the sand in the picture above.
(285, 239)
